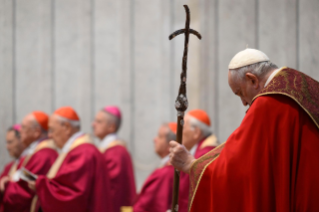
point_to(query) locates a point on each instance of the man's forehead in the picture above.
(28, 118)
(234, 84)
(10, 133)
(163, 128)
(53, 118)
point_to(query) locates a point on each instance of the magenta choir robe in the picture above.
(4, 173)
(119, 165)
(203, 147)
(156, 193)
(81, 184)
(18, 196)
(6, 169)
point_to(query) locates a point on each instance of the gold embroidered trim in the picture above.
(113, 144)
(13, 169)
(209, 141)
(207, 156)
(49, 143)
(197, 184)
(126, 209)
(286, 94)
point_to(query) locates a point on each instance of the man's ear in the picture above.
(253, 79)
(37, 132)
(68, 127)
(196, 133)
(112, 127)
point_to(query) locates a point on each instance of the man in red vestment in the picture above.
(118, 161)
(156, 193)
(40, 155)
(15, 148)
(77, 180)
(270, 162)
(198, 139)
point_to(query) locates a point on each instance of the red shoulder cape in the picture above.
(119, 165)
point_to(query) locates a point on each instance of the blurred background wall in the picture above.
(92, 53)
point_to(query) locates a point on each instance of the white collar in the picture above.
(193, 149)
(273, 74)
(164, 160)
(31, 148)
(66, 147)
(24, 153)
(107, 140)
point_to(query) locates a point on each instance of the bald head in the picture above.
(31, 130)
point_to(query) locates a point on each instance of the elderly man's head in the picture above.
(165, 134)
(248, 73)
(196, 128)
(34, 126)
(63, 123)
(107, 121)
(14, 145)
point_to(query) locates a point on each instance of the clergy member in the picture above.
(270, 162)
(40, 155)
(15, 148)
(198, 139)
(118, 161)
(156, 193)
(77, 181)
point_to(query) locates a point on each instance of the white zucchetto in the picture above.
(247, 57)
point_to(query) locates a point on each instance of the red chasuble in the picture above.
(156, 193)
(18, 196)
(270, 163)
(77, 182)
(203, 147)
(118, 163)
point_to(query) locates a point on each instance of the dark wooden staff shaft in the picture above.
(179, 138)
(181, 102)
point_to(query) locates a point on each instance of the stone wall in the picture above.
(91, 53)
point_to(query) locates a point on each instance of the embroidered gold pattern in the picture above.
(299, 87)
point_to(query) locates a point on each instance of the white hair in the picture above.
(206, 131)
(258, 69)
(74, 124)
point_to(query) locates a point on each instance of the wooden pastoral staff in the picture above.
(181, 102)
